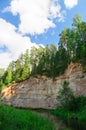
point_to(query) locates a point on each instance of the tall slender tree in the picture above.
(26, 68)
(9, 75)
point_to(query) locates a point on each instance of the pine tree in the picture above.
(18, 71)
(26, 68)
(9, 75)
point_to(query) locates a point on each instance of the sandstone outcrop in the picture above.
(41, 92)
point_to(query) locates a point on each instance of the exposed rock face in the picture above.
(41, 92)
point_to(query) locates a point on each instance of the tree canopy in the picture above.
(50, 60)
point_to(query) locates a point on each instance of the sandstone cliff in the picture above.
(41, 92)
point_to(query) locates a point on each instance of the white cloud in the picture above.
(70, 3)
(36, 16)
(15, 43)
(5, 59)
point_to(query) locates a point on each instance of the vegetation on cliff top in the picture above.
(50, 61)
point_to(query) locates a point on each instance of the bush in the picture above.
(72, 109)
(65, 96)
(68, 101)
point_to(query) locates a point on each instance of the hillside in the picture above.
(34, 79)
(41, 91)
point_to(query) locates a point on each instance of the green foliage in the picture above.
(1, 72)
(75, 120)
(74, 40)
(18, 71)
(68, 101)
(11, 119)
(72, 109)
(9, 75)
(76, 103)
(50, 61)
(26, 68)
(1, 83)
(66, 97)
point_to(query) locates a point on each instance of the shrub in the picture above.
(65, 96)
(72, 109)
(67, 99)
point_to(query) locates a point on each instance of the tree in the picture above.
(65, 42)
(18, 71)
(26, 68)
(65, 96)
(8, 75)
(1, 83)
(2, 70)
(80, 27)
(36, 60)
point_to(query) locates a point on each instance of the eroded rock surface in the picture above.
(41, 92)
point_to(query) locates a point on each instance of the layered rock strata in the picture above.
(41, 92)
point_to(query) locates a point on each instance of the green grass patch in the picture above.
(15, 119)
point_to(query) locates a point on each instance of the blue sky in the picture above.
(27, 23)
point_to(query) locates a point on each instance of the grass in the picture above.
(15, 119)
